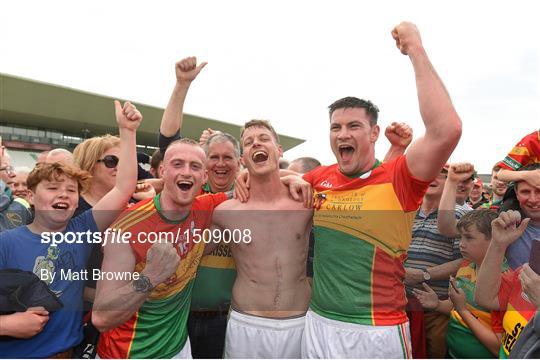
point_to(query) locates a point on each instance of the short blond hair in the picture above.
(259, 123)
(87, 153)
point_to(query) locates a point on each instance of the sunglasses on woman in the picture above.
(110, 161)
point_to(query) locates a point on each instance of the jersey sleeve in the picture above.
(165, 141)
(409, 190)
(508, 278)
(310, 176)
(524, 152)
(497, 321)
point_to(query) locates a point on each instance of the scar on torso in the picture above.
(279, 280)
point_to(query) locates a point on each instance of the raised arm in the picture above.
(114, 202)
(400, 136)
(532, 176)
(446, 219)
(427, 155)
(117, 300)
(186, 71)
(505, 229)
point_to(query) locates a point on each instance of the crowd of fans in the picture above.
(331, 284)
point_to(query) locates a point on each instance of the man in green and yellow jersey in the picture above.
(211, 296)
(364, 211)
(145, 315)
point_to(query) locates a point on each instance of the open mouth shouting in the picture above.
(221, 173)
(184, 185)
(60, 205)
(259, 156)
(346, 152)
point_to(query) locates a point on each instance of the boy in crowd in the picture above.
(472, 331)
(55, 192)
(504, 292)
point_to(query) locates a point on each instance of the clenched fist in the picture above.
(508, 227)
(407, 37)
(161, 262)
(24, 325)
(127, 116)
(460, 172)
(399, 134)
(187, 69)
(206, 135)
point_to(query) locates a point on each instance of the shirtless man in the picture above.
(271, 292)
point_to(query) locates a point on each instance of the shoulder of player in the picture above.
(232, 204)
(135, 215)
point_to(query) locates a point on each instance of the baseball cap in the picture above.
(478, 182)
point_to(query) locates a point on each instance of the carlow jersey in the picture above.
(517, 310)
(215, 277)
(362, 229)
(462, 343)
(159, 328)
(526, 151)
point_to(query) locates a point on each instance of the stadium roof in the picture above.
(41, 105)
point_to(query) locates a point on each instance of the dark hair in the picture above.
(496, 168)
(156, 159)
(482, 218)
(307, 163)
(352, 102)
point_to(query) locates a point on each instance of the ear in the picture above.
(375, 130)
(205, 176)
(242, 162)
(160, 170)
(280, 151)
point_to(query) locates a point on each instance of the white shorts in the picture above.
(250, 336)
(185, 353)
(331, 339)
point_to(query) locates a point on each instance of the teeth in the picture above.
(259, 153)
(60, 206)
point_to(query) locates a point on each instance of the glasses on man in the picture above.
(110, 161)
(8, 169)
